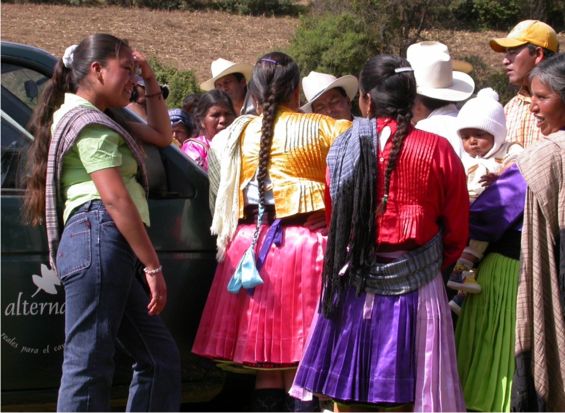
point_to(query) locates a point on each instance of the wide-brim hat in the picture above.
(528, 31)
(316, 84)
(222, 67)
(435, 77)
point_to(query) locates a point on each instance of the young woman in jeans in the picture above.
(84, 168)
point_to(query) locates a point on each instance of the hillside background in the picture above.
(191, 39)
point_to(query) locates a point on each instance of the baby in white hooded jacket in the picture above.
(481, 125)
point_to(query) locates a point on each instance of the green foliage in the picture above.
(498, 14)
(504, 14)
(485, 76)
(247, 7)
(336, 44)
(338, 37)
(260, 7)
(181, 83)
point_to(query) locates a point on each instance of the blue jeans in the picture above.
(106, 306)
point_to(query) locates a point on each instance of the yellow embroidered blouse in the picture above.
(297, 165)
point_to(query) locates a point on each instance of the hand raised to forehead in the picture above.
(141, 61)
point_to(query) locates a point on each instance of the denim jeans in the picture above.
(106, 306)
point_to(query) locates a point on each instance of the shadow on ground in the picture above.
(234, 397)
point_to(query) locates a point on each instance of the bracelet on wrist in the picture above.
(153, 271)
(152, 95)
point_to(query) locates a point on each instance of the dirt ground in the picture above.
(188, 40)
(185, 40)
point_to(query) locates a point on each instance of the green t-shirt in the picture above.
(97, 147)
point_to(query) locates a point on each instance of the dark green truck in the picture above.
(32, 298)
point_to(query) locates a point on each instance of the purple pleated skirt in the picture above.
(385, 350)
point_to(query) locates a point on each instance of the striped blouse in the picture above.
(520, 122)
(298, 159)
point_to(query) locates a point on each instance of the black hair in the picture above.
(353, 226)
(190, 102)
(392, 94)
(432, 104)
(546, 52)
(275, 78)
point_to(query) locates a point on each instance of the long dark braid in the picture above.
(402, 131)
(275, 79)
(353, 226)
(269, 111)
(392, 93)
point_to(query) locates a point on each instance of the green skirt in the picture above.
(484, 336)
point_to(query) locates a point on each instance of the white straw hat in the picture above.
(316, 84)
(222, 67)
(435, 77)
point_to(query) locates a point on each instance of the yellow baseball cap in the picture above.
(528, 31)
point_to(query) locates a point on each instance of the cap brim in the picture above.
(500, 45)
(243, 68)
(461, 89)
(349, 83)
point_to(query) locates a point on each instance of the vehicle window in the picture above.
(15, 143)
(21, 88)
(24, 83)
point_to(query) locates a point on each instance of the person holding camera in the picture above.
(138, 99)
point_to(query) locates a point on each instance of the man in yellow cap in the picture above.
(527, 45)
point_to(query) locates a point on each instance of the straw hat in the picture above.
(222, 67)
(435, 77)
(316, 84)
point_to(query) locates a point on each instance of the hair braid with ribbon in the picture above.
(275, 79)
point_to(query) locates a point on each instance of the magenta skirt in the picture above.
(268, 327)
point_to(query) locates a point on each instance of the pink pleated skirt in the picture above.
(266, 328)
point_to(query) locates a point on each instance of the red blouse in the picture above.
(427, 190)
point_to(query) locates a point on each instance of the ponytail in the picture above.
(40, 127)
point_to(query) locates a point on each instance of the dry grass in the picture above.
(182, 39)
(189, 40)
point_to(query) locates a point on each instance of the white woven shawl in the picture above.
(224, 170)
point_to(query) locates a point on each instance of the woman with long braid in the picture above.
(267, 196)
(384, 334)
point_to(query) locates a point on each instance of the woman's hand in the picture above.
(158, 293)
(158, 130)
(118, 203)
(317, 221)
(141, 61)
